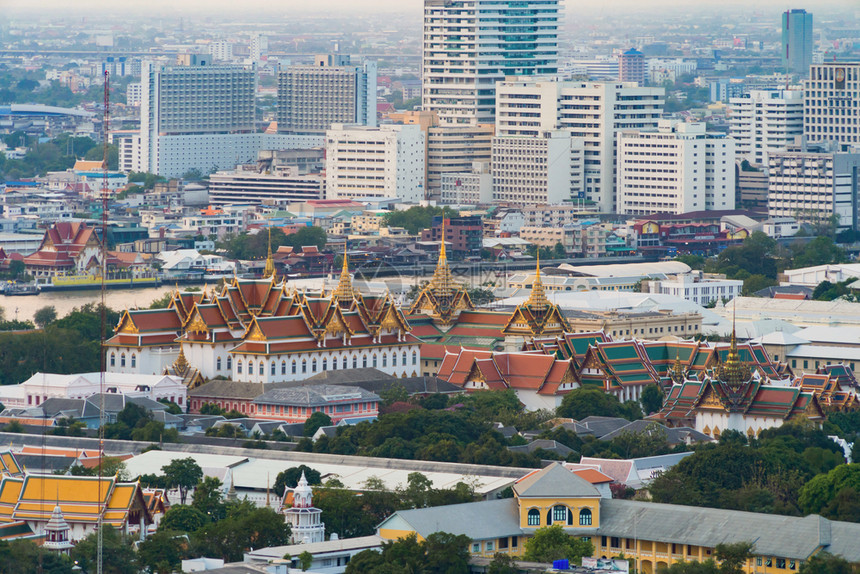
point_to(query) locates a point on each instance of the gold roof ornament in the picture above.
(269, 269)
(442, 283)
(537, 301)
(676, 373)
(734, 372)
(180, 366)
(344, 290)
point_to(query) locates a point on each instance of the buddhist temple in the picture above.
(262, 331)
(443, 298)
(537, 317)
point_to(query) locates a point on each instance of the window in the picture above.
(534, 517)
(414, 358)
(514, 541)
(239, 367)
(294, 366)
(218, 364)
(283, 367)
(503, 543)
(364, 361)
(355, 362)
(325, 364)
(229, 363)
(272, 368)
(768, 562)
(792, 565)
(133, 360)
(780, 563)
(113, 359)
(344, 363)
(476, 547)
(384, 360)
(262, 370)
(489, 546)
(559, 514)
(250, 367)
(393, 359)
(758, 561)
(314, 366)
(585, 517)
(374, 361)
(304, 366)
(122, 360)
(404, 358)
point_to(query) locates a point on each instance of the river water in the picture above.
(64, 301)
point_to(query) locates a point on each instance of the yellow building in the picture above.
(654, 535)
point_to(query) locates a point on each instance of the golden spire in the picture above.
(677, 372)
(181, 364)
(442, 283)
(269, 270)
(733, 371)
(344, 287)
(537, 298)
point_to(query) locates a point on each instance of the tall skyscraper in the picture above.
(594, 111)
(765, 121)
(631, 67)
(796, 41)
(831, 104)
(332, 91)
(469, 45)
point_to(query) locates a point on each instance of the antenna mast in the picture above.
(103, 317)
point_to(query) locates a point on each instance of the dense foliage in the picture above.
(255, 246)
(417, 218)
(553, 543)
(766, 475)
(440, 552)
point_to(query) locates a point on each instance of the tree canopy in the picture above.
(553, 543)
(416, 218)
(439, 552)
(182, 473)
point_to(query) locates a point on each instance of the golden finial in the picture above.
(344, 287)
(269, 270)
(181, 364)
(733, 371)
(442, 248)
(537, 298)
(677, 372)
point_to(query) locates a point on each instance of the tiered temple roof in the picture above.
(443, 298)
(533, 371)
(537, 317)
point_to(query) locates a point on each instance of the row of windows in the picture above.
(122, 360)
(560, 514)
(294, 365)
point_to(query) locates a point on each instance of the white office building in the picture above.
(593, 111)
(546, 169)
(133, 94)
(831, 104)
(469, 45)
(387, 161)
(812, 185)
(677, 168)
(221, 51)
(467, 188)
(697, 288)
(247, 185)
(765, 120)
(332, 91)
(258, 47)
(455, 149)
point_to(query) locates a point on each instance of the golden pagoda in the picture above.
(269, 269)
(442, 298)
(344, 291)
(677, 373)
(537, 316)
(734, 372)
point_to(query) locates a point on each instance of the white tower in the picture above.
(57, 533)
(303, 518)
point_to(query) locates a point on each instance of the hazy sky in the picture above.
(166, 7)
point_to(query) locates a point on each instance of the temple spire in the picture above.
(269, 270)
(733, 371)
(537, 298)
(344, 290)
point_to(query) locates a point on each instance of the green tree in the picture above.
(502, 564)
(208, 498)
(290, 478)
(819, 251)
(45, 316)
(244, 527)
(117, 552)
(693, 567)
(306, 559)
(25, 557)
(161, 302)
(183, 518)
(552, 543)
(315, 421)
(182, 473)
(733, 557)
(162, 552)
(826, 563)
(652, 399)
(584, 402)
(755, 283)
(417, 218)
(394, 394)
